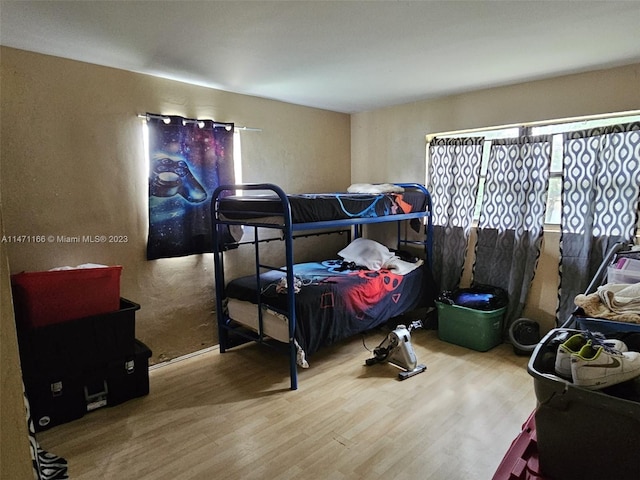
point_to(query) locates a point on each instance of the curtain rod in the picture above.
(193, 120)
(541, 123)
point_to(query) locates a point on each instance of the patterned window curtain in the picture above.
(601, 186)
(454, 172)
(512, 218)
(188, 159)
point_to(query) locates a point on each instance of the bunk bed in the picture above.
(261, 307)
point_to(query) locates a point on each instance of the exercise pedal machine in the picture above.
(396, 349)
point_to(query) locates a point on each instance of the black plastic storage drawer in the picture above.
(60, 398)
(129, 378)
(86, 343)
(55, 399)
(584, 434)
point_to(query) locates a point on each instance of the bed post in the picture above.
(291, 299)
(218, 269)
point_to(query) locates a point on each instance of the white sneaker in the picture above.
(575, 343)
(594, 367)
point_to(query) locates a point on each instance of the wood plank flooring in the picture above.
(232, 416)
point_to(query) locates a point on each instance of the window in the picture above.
(556, 129)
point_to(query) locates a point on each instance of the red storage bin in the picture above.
(46, 298)
(521, 460)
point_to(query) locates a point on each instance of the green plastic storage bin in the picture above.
(476, 329)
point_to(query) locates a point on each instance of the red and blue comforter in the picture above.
(335, 303)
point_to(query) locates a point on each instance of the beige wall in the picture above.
(15, 459)
(72, 163)
(389, 144)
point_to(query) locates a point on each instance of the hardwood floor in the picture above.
(232, 416)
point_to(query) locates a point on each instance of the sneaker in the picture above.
(575, 343)
(594, 367)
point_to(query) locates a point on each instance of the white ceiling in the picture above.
(345, 56)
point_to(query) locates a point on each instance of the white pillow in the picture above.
(366, 252)
(374, 188)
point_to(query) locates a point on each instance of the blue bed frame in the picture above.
(289, 230)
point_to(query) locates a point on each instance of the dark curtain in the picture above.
(512, 218)
(600, 190)
(454, 172)
(188, 159)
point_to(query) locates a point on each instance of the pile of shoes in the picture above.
(594, 362)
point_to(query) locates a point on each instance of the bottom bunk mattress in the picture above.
(332, 302)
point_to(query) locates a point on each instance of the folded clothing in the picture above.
(621, 298)
(618, 302)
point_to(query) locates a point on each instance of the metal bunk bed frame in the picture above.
(288, 228)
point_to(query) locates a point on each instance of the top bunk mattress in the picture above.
(306, 208)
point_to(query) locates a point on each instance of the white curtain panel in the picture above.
(600, 193)
(454, 173)
(512, 217)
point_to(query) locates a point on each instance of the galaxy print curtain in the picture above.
(512, 217)
(600, 193)
(454, 172)
(188, 159)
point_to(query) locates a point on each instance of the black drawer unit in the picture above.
(77, 366)
(56, 399)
